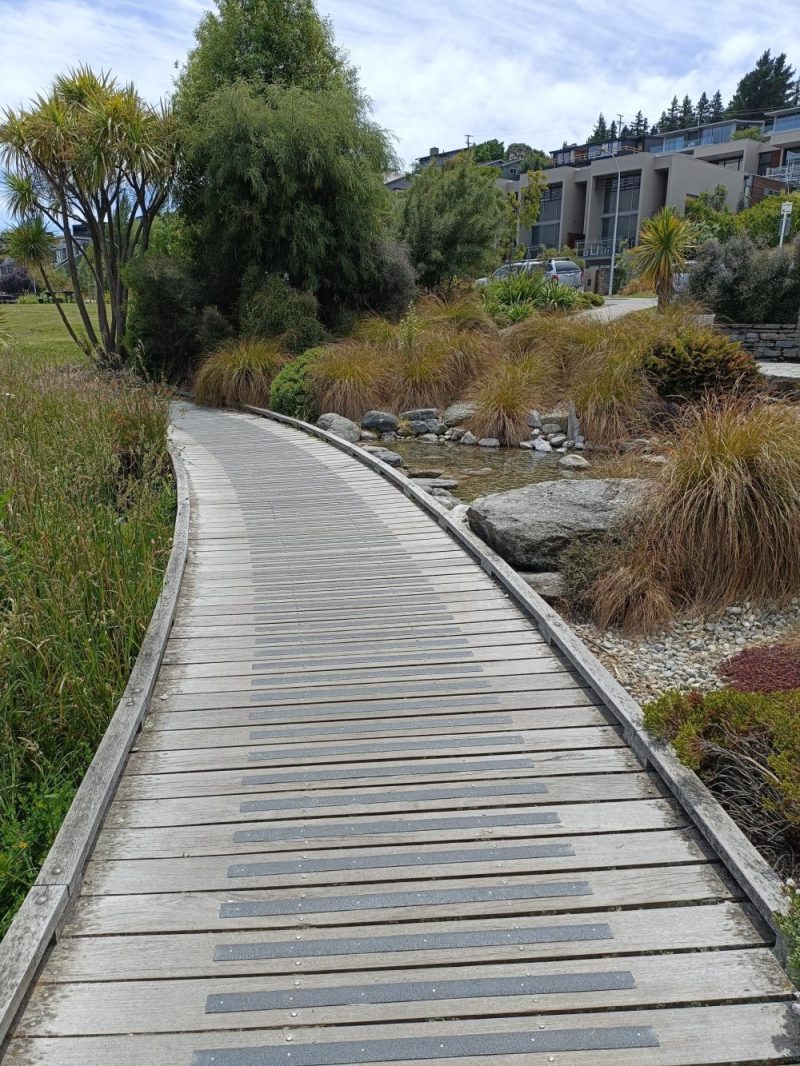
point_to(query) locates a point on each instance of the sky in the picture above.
(521, 70)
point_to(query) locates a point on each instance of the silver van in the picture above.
(564, 271)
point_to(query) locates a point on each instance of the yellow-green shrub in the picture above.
(238, 373)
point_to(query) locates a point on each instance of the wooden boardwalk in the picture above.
(374, 818)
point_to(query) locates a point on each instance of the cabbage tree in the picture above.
(665, 241)
(90, 152)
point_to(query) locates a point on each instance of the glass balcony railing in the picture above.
(790, 173)
(599, 249)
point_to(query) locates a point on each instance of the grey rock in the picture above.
(656, 460)
(489, 442)
(573, 424)
(457, 433)
(445, 498)
(549, 584)
(418, 427)
(551, 427)
(429, 483)
(574, 462)
(457, 413)
(531, 526)
(534, 420)
(541, 445)
(419, 414)
(339, 426)
(468, 438)
(382, 421)
(386, 455)
(428, 438)
(367, 435)
(388, 436)
(557, 439)
(526, 444)
(435, 426)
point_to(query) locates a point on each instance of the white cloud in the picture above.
(525, 70)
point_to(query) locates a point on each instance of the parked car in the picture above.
(562, 271)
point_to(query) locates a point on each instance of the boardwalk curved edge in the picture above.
(44, 909)
(750, 869)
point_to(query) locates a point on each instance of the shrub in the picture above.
(743, 283)
(505, 396)
(163, 316)
(724, 524)
(700, 361)
(518, 296)
(16, 281)
(765, 668)
(582, 563)
(746, 747)
(213, 329)
(238, 373)
(292, 390)
(275, 309)
(391, 284)
(347, 378)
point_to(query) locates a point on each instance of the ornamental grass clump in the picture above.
(347, 378)
(505, 396)
(722, 525)
(240, 372)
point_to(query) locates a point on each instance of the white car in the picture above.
(563, 271)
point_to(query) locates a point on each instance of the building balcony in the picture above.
(790, 174)
(598, 249)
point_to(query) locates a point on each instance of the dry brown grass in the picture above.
(722, 527)
(348, 378)
(505, 395)
(240, 372)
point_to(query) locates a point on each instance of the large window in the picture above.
(786, 122)
(546, 232)
(628, 211)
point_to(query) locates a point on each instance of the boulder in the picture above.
(468, 438)
(380, 421)
(549, 584)
(418, 427)
(457, 413)
(534, 420)
(428, 438)
(541, 445)
(339, 426)
(386, 455)
(574, 462)
(573, 424)
(435, 426)
(368, 435)
(489, 442)
(551, 427)
(557, 440)
(419, 414)
(531, 526)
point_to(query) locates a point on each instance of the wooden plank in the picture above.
(503, 823)
(245, 807)
(279, 951)
(632, 981)
(305, 907)
(368, 865)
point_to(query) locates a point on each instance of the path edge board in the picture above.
(743, 861)
(44, 909)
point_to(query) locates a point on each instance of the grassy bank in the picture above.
(86, 518)
(37, 335)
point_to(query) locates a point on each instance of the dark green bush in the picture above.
(391, 285)
(700, 361)
(214, 328)
(275, 308)
(163, 316)
(741, 282)
(292, 390)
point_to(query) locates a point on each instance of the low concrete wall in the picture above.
(766, 340)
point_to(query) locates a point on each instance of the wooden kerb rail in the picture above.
(44, 909)
(745, 862)
(384, 807)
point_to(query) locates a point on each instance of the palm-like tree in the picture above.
(665, 240)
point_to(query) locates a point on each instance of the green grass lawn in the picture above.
(37, 335)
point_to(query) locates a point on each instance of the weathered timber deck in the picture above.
(373, 817)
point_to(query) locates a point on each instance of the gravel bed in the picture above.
(688, 654)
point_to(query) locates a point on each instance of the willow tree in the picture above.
(91, 153)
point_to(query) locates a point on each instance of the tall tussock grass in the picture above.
(347, 378)
(506, 394)
(240, 372)
(723, 525)
(86, 521)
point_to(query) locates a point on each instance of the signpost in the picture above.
(786, 214)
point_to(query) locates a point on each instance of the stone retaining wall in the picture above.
(766, 340)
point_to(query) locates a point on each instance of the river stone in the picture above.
(445, 498)
(549, 584)
(419, 414)
(573, 425)
(386, 455)
(539, 444)
(489, 442)
(468, 438)
(428, 438)
(459, 412)
(429, 483)
(339, 426)
(557, 440)
(551, 427)
(534, 420)
(574, 462)
(531, 526)
(382, 421)
(435, 426)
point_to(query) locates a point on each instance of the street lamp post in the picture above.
(614, 237)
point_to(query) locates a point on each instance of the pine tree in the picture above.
(600, 132)
(703, 110)
(639, 125)
(687, 117)
(673, 114)
(717, 110)
(612, 131)
(770, 84)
